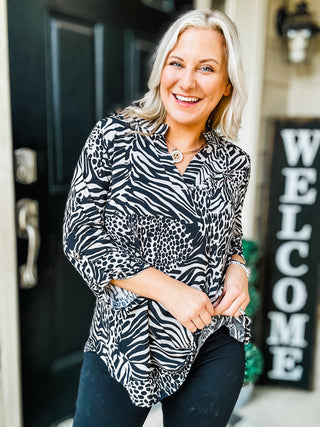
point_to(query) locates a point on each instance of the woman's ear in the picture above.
(227, 90)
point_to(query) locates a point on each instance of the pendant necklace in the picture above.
(177, 155)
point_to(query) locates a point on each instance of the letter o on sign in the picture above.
(280, 294)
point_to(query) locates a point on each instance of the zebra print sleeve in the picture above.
(236, 242)
(86, 243)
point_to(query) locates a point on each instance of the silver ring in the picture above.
(241, 311)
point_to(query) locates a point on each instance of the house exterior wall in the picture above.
(289, 90)
(276, 89)
(304, 82)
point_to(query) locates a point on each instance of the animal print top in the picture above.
(128, 209)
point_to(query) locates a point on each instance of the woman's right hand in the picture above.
(190, 306)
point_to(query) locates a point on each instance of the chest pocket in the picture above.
(216, 195)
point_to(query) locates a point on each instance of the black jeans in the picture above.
(206, 398)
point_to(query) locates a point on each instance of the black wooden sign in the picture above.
(291, 253)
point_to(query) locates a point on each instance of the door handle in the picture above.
(28, 228)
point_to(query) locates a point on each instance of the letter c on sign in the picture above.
(283, 258)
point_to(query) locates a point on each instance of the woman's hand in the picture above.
(190, 306)
(235, 292)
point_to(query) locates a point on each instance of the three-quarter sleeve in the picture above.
(236, 241)
(86, 242)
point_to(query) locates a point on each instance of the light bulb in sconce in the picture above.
(298, 45)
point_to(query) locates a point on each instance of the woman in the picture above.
(153, 225)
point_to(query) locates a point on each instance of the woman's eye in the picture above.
(175, 64)
(207, 69)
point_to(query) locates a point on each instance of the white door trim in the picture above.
(250, 17)
(10, 379)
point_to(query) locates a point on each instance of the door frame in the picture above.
(10, 378)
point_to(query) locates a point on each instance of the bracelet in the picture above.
(243, 266)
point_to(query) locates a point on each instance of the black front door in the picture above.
(71, 62)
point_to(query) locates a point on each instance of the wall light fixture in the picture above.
(297, 30)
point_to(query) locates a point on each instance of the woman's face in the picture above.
(194, 78)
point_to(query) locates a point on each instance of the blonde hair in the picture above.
(227, 114)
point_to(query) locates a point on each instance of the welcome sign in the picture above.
(292, 253)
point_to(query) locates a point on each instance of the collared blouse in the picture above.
(129, 209)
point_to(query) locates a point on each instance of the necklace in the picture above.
(177, 155)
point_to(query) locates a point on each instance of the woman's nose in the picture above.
(187, 80)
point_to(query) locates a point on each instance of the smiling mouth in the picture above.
(189, 99)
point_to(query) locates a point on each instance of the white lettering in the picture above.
(301, 142)
(299, 294)
(297, 183)
(289, 332)
(288, 325)
(288, 224)
(284, 363)
(283, 258)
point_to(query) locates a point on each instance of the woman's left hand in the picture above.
(235, 292)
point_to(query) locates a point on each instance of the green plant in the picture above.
(254, 357)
